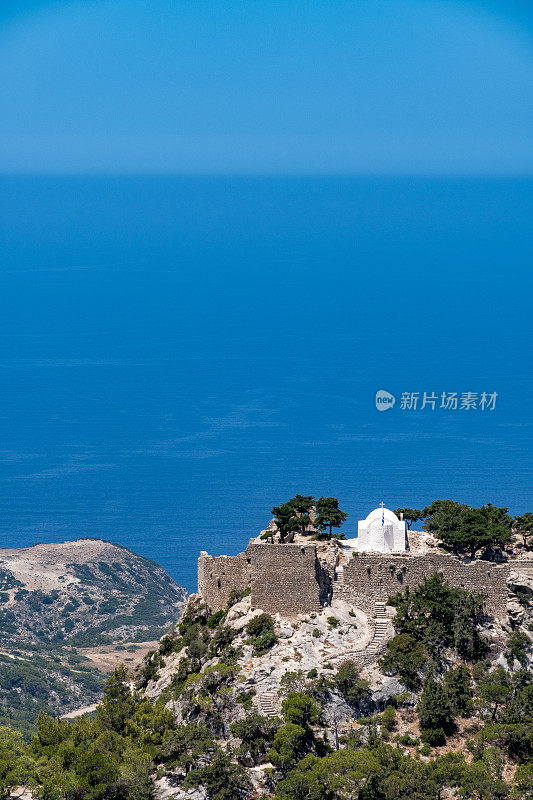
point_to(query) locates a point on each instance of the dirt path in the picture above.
(79, 712)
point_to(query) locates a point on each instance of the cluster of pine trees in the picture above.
(461, 528)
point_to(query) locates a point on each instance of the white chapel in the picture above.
(380, 532)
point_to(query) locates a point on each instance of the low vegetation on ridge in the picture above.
(239, 705)
(462, 728)
(63, 602)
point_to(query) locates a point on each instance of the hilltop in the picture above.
(310, 665)
(69, 613)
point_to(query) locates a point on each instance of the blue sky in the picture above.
(210, 86)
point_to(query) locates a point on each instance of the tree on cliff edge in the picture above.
(468, 529)
(523, 526)
(410, 515)
(293, 516)
(286, 521)
(302, 505)
(329, 516)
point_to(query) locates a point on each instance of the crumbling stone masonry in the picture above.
(286, 578)
(220, 576)
(290, 579)
(379, 576)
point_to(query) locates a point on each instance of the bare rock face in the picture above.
(516, 612)
(241, 613)
(385, 689)
(285, 631)
(238, 611)
(337, 712)
(170, 790)
(317, 643)
(521, 581)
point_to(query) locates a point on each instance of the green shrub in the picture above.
(388, 719)
(439, 616)
(435, 712)
(405, 656)
(261, 633)
(457, 684)
(170, 644)
(222, 640)
(256, 734)
(299, 708)
(196, 614)
(245, 699)
(223, 779)
(217, 617)
(186, 668)
(349, 682)
(406, 740)
(291, 743)
(148, 671)
(109, 606)
(517, 647)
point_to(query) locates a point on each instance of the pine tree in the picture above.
(435, 712)
(329, 516)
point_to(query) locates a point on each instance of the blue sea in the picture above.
(178, 355)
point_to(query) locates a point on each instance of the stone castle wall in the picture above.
(289, 579)
(219, 576)
(378, 576)
(286, 578)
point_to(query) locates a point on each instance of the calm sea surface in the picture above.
(178, 355)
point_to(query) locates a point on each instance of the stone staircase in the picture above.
(339, 575)
(376, 645)
(267, 703)
(380, 630)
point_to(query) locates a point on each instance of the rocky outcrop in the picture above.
(223, 687)
(317, 643)
(521, 577)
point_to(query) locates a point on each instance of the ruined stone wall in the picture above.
(378, 576)
(286, 578)
(289, 579)
(219, 576)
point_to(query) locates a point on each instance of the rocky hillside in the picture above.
(429, 677)
(316, 643)
(68, 613)
(433, 699)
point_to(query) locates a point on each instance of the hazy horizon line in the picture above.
(265, 174)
